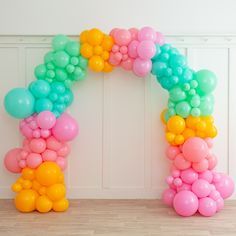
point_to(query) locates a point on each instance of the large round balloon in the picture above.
(19, 103)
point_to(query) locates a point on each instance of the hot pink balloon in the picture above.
(219, 204)
(185, 203)
(201, 188)
(184, 187)
(122, 37)
(11, 160)
(146, 49)
(66, 128)
(195, 149)
(207, 206)
(142, 67)
(189, 176)
(147, 33)
(168, 196)
(225, 186)
(46, 120)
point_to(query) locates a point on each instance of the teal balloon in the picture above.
(40, 71)
(158, 52)
(43, 104)
(177, 60)
(206, 81)
(19, 103)
(40, 88)
(68, 97)
(59, 42)
(58, 87)
(183, 109)
(61, 59)
(159, 68)
(72, 48)
(177, 94)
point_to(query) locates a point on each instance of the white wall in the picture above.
(48, 17)
(120, 151)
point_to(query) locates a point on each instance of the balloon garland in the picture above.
(194, 185)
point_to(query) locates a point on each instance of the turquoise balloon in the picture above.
(59, 42)
(183, 109)
(39, 88)
(206, 81)
(177, 60)
(40, 71)
(177, 94)
(58, 87)
(159, 68)
(61, 59)
(72, 48)
(19, 103)
(68, 97)
(43, 104)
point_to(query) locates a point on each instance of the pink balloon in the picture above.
(189, 176)
(45, 133)
(53, 143)
(122, 37)
(175, 173)
(62, 162)
(22, 164)
(206, 175)
(134, 33)
(201, 188)
(172, 152)
(115, 48)
(33, 160)
(207, 206)
(112, 33)
(146, 49)
(168, 196)
(180, 163)
(147, 33)
(212, 161)
(177, 182)
(219, 204)
(112, 59)
(64, 150)
(142, 67)
(200, 166)
(160, 38)
(185, 203)
(209, 142)
(37, 145)
(184, 187)
(66, 128)
(26, 131)
(216, 177)
(46, 120)
(127, 64)
(195, 149)
(214, 195)
(36, 133)
(169, 179)
(132, 49)
(225, 186)
(49, 155)
(11, 160)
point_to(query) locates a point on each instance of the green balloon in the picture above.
(60, 74)
(59, 42)
(48, 57)
(72, 48)
(195, 101)
(39, 88)
(206, 81)
(195, 112)
(183, 109)
(43, 104)
(40, 71)
(19, 103)
(207, 105)
(83, 62)
(61, 59)
(177, 94)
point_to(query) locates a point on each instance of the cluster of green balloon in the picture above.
(194, 97)
(170, 67)
(64, 63)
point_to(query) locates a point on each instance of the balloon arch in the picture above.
(193, 184)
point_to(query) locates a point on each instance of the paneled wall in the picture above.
(120, 150)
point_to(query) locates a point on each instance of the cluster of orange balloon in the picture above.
(41, 189)
(96, 47)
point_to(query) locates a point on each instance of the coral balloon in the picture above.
(11, 160)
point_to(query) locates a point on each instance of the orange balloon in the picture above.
(107, 67)
(61, 205)
(176, 124)
(179, 139)
(107, 43)
(86, 50)
(170, 137)
(43, 204)
(95, 37)
(105, 55)
(56, 192)
(188, 133)
(191, 121)
(96, 63)
(84, 36)
(163, 116)
(97, 50)
(28, 173)
(16, 187)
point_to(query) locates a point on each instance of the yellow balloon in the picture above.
(107, 43)
(86, 50)
(36, 185)
(27, 184)
(107, 67)
(61, 205)
(25, 200)
(170, 137)
(191, 121)
(28, 173)
(56, 192)
(43, 204)
(176, 124)
(95, 37)
(84, 36)
(211, 131)
(179, 139)
(42, 190)
(201, 125)
(48, 173)
(16, 187)
(96, 63)
(188, 133)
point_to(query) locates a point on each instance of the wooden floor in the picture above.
(115, 217)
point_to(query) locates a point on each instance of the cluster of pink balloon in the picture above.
(133, 49)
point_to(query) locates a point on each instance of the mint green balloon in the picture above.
(83, 62)
(61, 59)
(48, 57)
(60, 75)
(183, 109)
(19, 103)
(177, 94)
(59, 42)
(40, 71)
(206, 81)
(72, 48)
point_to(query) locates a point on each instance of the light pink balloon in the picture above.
(207, 206)
(180, 163)
(37, 145)
(127, 64)
(185, 203)
(206, 175)
(53, 143)
(134, 33)
(49, 155)
(200, 166)
(201, 188)
(146, 49)
(195, 149)
(132, 49)
(147, 33)
(168, 196)
(177, 182)
(122, 37)
(33, 160)
(216, 177)
(209, 142)
(11, 160)
(160, 38)
(169, 179)
(172, 152)
(62, 162)
(142, 67)
(46, 120)
(66, 128)
(225, 186)
(189, 176)
(215, 195)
